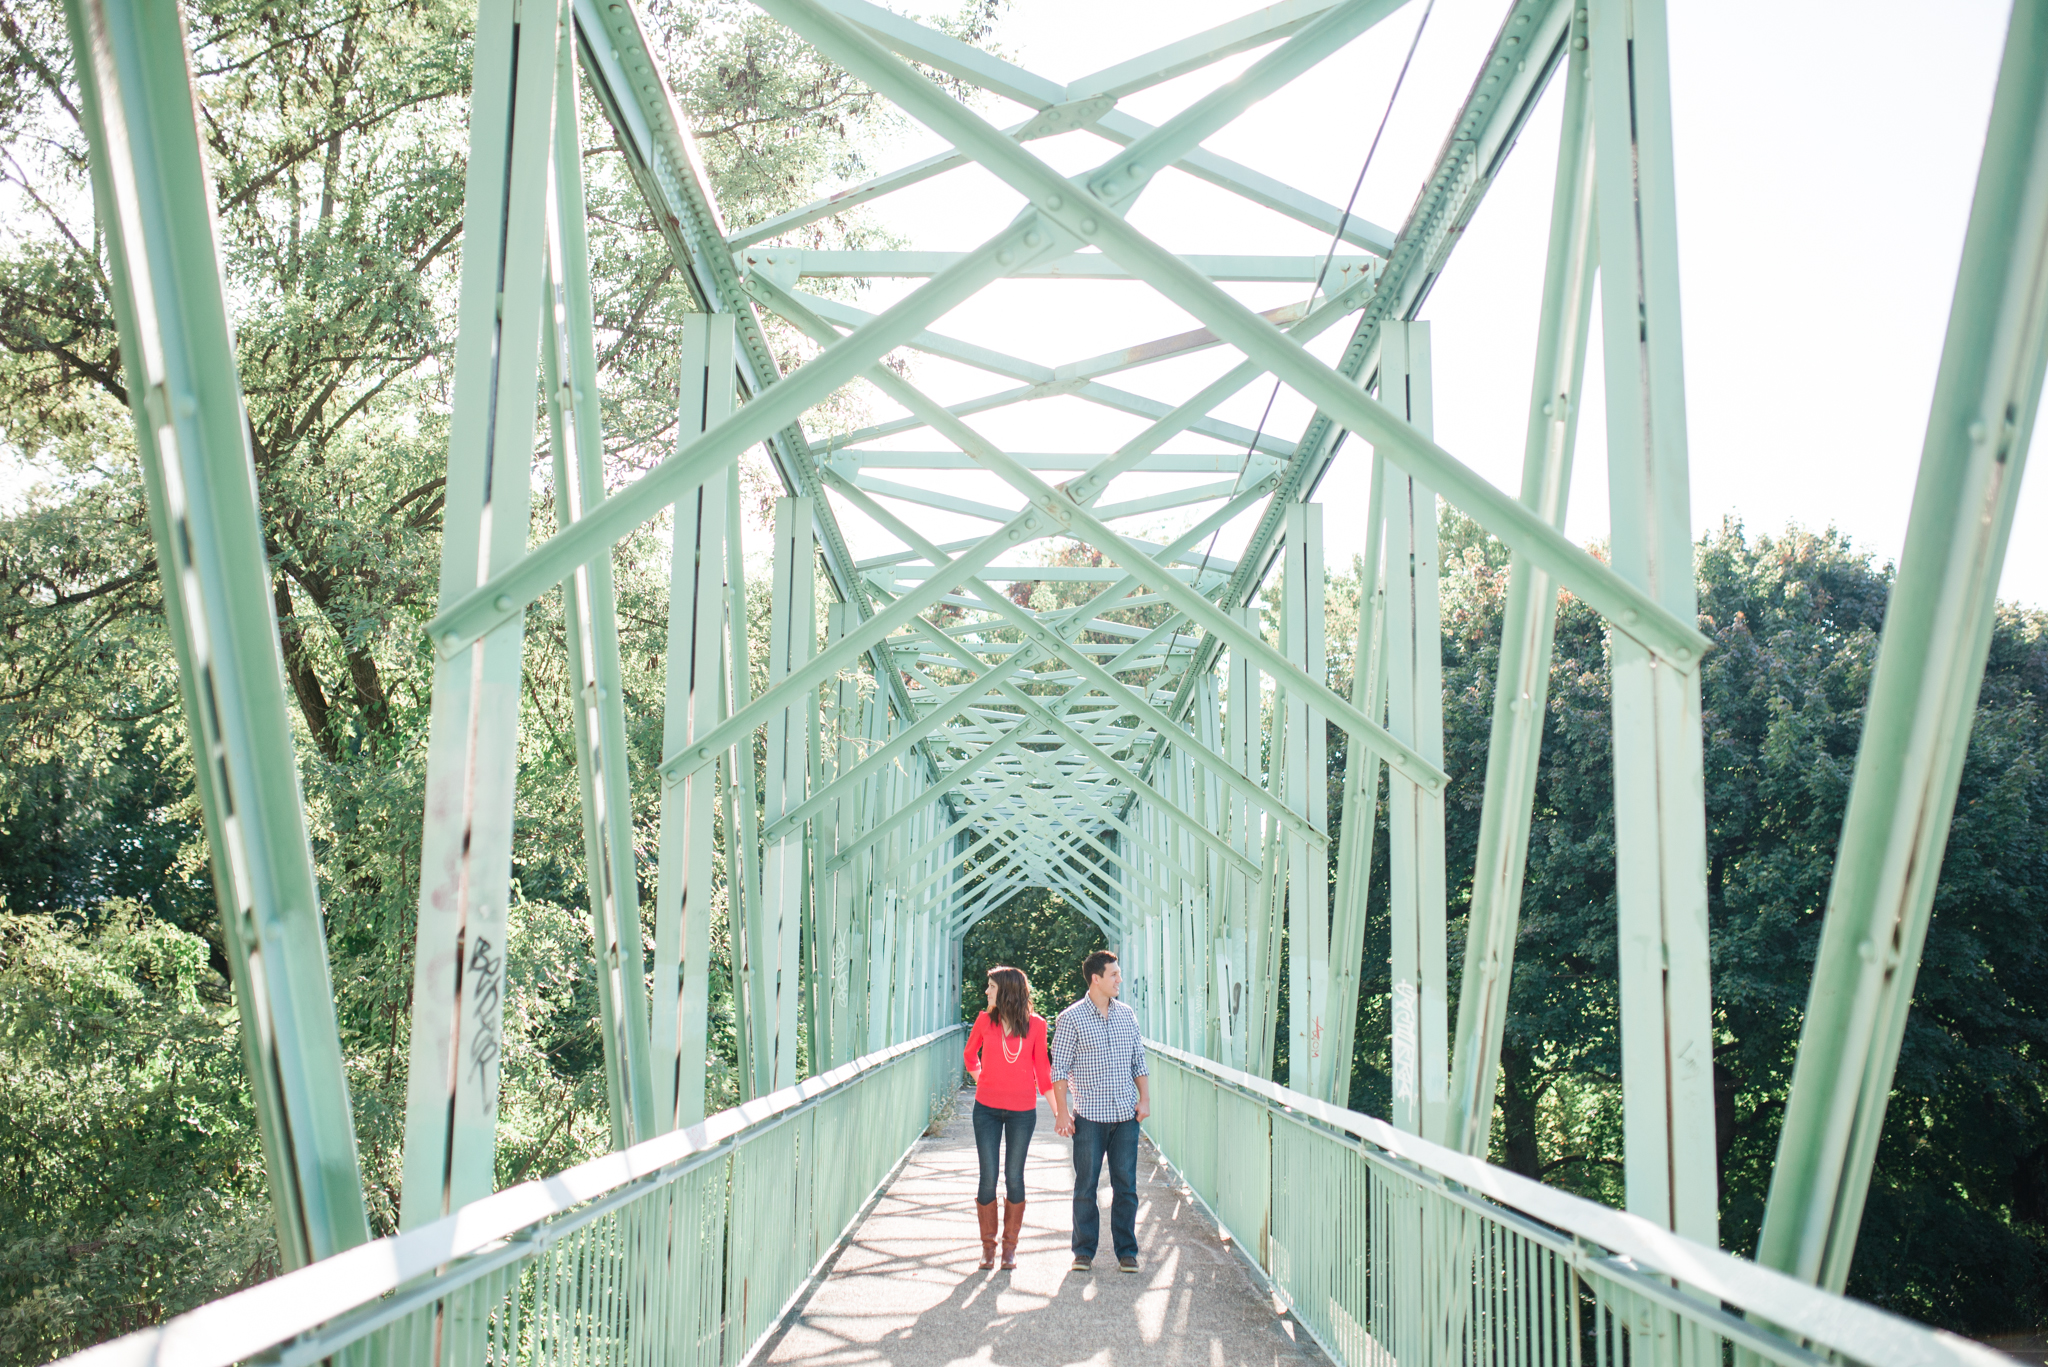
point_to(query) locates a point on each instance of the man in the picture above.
(1100, 1082)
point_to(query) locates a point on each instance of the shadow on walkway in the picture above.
(907, 1290)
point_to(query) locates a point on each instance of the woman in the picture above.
(1006, 1055)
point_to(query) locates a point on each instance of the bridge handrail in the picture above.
(1785, 1317)
(468, 1244)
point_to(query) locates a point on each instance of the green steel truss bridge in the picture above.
(942, 745)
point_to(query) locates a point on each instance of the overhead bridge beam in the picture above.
(789, 265)
(1150, 746)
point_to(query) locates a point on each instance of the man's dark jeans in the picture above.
(1093, 1141)
(993, 1126)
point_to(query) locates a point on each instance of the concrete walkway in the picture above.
(907, 1290)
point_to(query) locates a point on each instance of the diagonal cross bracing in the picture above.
(974, 721)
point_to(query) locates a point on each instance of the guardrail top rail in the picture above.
(1363, 1283)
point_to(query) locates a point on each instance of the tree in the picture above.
(128, 1157)
(1956, 1232)
(1040, 932)
(335, 133)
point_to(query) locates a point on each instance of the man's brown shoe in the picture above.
(1082, 1264)
(987, 1215)
(1013, 1226)
(1127, 1264)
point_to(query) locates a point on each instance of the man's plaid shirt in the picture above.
(1100, 1058)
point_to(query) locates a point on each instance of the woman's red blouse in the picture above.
(1005, 1085)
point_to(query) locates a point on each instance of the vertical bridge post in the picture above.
(154, 203)
(693, 703)
(1923, 693)
(1415, 714)
(451, 1114)
(1667, 1064)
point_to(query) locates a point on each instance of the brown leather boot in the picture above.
(987, 1216)
(1013, 1225)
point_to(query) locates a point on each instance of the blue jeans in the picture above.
(1118, 1141)
(991, 1126)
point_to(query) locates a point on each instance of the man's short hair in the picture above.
(1095, 965)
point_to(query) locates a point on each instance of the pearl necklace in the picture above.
(1009, 1055)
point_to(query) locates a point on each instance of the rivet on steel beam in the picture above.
(1032, 239)
(1088, 225)
(1054, 202)
(1628, 617)
(448, 640)
(503, 602)
(1978, 431)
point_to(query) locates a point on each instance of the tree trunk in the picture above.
(299, 671)
(1519, 1093)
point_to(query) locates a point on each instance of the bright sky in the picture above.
(1825, 165)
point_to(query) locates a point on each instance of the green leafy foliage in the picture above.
(336, 135)
(130, 1169)
(1039, 932)
(1956, 1231)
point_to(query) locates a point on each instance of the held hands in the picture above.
(1062, 1123)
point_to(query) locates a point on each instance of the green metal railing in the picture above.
(1389, 1248)
(683, 1250)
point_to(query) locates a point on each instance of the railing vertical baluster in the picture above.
(605, 1261)
(1575, 1292)
(576, 1301)
(1496, 1294)
(600, 1341)
(560, 1269)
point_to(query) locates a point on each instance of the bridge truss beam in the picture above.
(1143, 750)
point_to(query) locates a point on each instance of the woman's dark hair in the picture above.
(1013, 1000)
